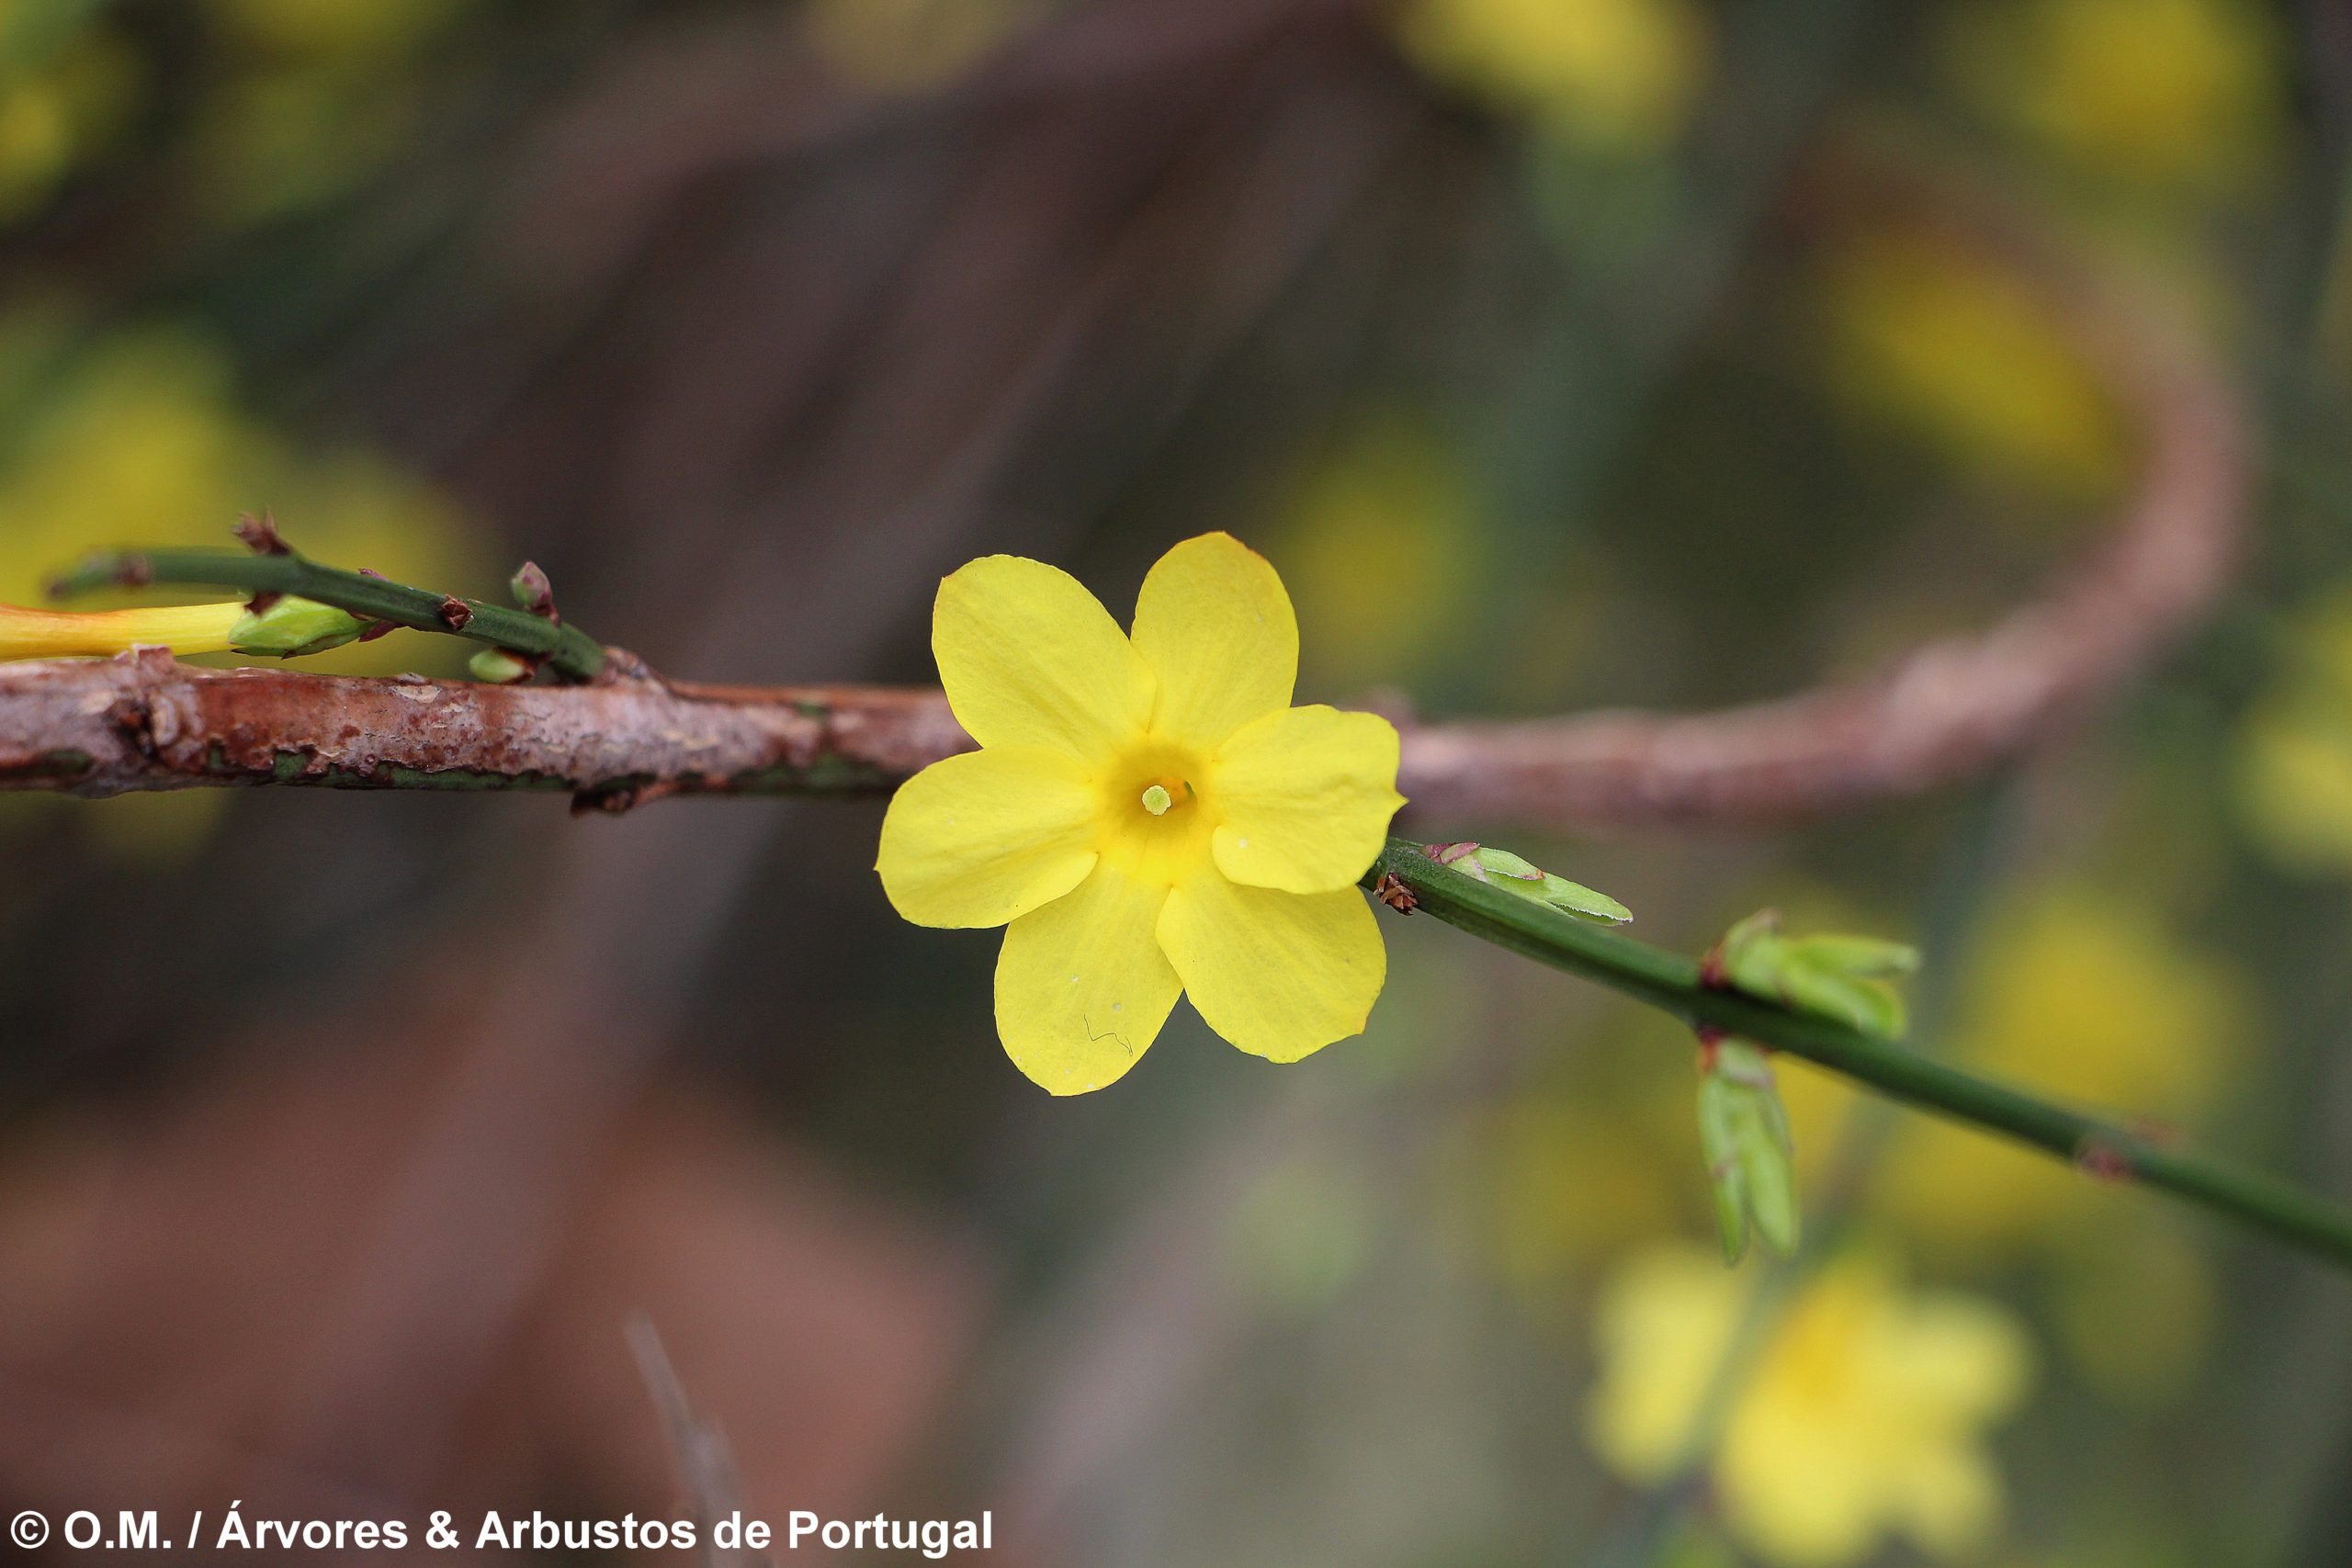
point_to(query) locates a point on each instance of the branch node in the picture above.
(260, 534)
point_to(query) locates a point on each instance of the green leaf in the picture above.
(1865, 957)
(1500, 868)
(1810, 986)
(1584, 903)
(1840, 977)
(1751, 1158)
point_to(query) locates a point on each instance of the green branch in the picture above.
(1671, 982)
(566, 649)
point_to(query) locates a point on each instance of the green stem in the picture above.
(1671, 982)
(568, 650)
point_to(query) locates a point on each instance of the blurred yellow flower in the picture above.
(2294, 754)
(1956, 350)
(2165, 93)
(1614, 72)
(1387, 518)
(1862, 1414)
(1148, 816)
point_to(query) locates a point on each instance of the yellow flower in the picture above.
(2165, 93)
(1959, 352)
(1148, 816)
(1613, 72)
(1389, 516)
(55, 634)
(1860, 1416)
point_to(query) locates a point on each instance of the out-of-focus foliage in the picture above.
(66, 96)
(905, 46)
(312, 97)
(1864, 1411)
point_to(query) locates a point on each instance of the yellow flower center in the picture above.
(1154, 820)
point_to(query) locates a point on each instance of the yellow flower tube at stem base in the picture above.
(63, 634)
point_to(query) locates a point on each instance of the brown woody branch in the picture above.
(146, 722)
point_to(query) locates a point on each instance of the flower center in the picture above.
(1154, 820)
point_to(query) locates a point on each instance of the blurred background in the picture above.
(1561, 354)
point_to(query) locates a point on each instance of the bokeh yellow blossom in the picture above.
(1950, 347)
(1387, 518)
(1619, 73)
(2169, 94)
(1863, 1413)
(2294, 755)
(1147, 815)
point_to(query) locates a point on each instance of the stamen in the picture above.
(1157, 800)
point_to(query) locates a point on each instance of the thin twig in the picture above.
(2098, 1145)
(569, 652)
(705, 1466)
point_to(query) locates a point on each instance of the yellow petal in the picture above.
(1029, 658)
(1660, 1325)
(1081, 987)
(1216, 627)
(1306, 794)
(1949, 1498)
(1962, 1356)
(984, 838)
(1281, 975)
(59, 634)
